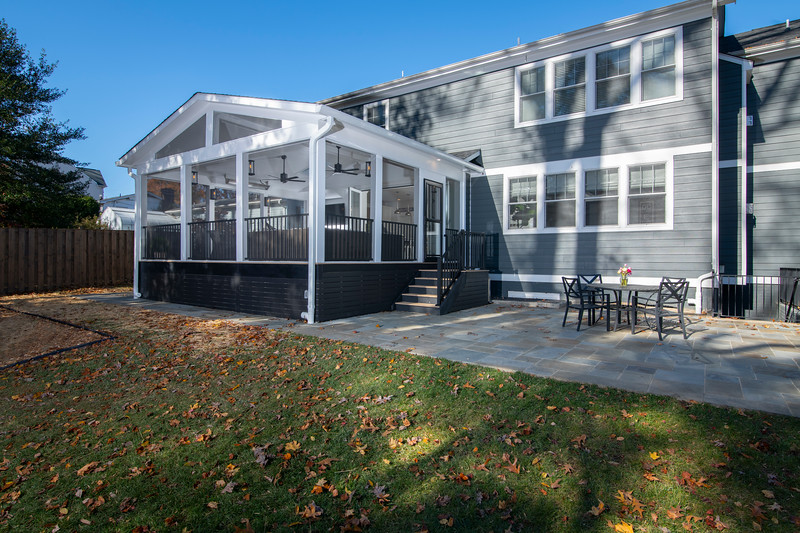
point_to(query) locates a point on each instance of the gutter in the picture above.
(715, 33)
(313, 213)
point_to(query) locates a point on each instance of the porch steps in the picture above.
(420, 297)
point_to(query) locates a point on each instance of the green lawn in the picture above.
(163, 430)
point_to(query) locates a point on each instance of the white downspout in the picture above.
(715, 135)
(746, 68)
(314, 216)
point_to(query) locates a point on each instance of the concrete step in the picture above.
(415, 307)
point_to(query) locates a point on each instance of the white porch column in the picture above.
(186, 209)
(419, 208)
(242, 201)
(316, 204)
(377, 209)
(139, 222)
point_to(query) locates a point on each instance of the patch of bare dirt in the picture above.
(176, 332)
(24, 336)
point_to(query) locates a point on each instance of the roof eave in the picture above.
(500, 59)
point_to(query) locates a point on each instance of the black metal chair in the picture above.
(583, 300)
(587, 282)
(668, 302)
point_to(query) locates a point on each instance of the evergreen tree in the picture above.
(35, 190)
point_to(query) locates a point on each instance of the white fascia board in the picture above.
(218, 151)
(201, 103)
(614, 30)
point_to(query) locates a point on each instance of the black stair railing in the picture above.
(463, 251)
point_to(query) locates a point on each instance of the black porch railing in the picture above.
(757, 297)
(399, 242)
(213, 240)
(348, 238)
(162, 242)
(278, 238)
(463, 251)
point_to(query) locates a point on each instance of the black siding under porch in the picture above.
(263, 289)
(353, 289)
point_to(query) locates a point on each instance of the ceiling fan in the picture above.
(337, 167)
(284, 177)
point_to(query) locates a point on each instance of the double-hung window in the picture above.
(570, 87)
(613, 75)
(559, 206)
(647, 194)
(601, 197)
(532, 94)
(658, 68)
(522, 202)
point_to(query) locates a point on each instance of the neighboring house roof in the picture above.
(598, 34)
(771, 43)
(94, 175)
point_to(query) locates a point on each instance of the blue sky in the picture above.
(128, 65)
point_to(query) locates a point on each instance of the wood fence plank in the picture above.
(4, 261)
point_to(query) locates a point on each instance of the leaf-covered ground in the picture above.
(188, 425)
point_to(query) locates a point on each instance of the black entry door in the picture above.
(433, 220)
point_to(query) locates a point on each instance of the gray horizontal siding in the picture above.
(776, 233)
(479, 113)
(774, 101)
(683, 251)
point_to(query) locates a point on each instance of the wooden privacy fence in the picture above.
(38, 260)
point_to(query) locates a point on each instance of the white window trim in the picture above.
(590, 54)
(622, 162)
(385, 104)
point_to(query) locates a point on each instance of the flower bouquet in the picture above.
(624, 272)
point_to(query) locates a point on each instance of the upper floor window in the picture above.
(658, 68)
(613, 75)
(532, 94)
(639, 71)
(570, 86)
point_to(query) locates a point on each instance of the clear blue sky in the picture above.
(128, 65)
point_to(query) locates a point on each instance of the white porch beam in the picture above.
(269, 139)
(210, 128)
(186, 209)
(377, 209)
(241, 205)
(419, 208)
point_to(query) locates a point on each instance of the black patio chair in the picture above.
(586, 284)
(583, 300)
(668, 302)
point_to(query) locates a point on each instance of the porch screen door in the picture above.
(433, 220)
